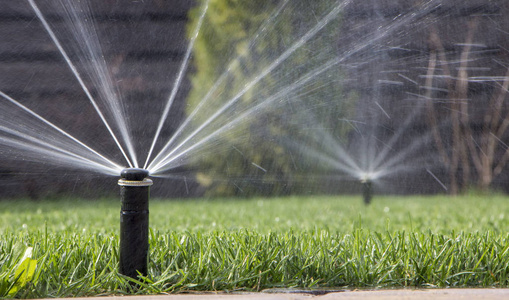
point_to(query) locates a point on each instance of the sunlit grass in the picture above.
(231, 244)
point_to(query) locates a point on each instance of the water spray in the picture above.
(134, 195)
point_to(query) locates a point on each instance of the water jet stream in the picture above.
(60, 153)
(61, 131)
(176, 84)
(78, 77)
(320, 25)
(249, 112)
(336, 150)
(223, 77)
(90, 51)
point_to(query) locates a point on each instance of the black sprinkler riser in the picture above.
(134, 217)
(367, 191)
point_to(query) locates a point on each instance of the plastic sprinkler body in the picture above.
(134, 196)
(367, 191)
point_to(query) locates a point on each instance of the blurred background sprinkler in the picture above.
(367, 190)
(134, 195)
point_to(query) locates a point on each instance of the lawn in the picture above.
(256, 244)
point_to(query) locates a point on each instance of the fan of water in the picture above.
(317, 70)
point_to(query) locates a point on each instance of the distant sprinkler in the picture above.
(367, 190)
(134, 196)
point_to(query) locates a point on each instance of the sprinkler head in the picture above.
(134, 174)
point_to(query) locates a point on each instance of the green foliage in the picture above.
(24, 272)
(18, 273)
(260, 60)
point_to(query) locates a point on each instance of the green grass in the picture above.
(233, 244)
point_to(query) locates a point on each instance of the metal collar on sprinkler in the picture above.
(134, 177)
